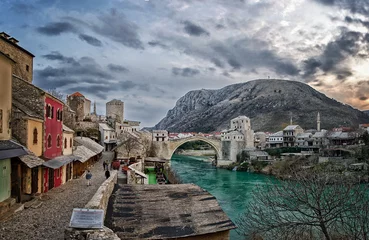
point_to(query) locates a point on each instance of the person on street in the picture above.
(105, 165)
(107, 173)
(88, 177)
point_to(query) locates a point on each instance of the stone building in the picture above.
(232, 144)
(115, 110)
(23, 67)
(108, 136)
(80, 104)
(160, 135)
(242, 124)
(289, 135)
(275, 140)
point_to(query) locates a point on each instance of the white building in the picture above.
(275, 140)
(242, 124)
(108, 136)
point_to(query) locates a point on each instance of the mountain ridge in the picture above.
(268, 102)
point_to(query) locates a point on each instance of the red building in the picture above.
(53, 140)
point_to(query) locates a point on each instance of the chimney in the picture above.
(4, 35)
(13, 40)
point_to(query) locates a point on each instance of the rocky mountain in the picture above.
(268, 102)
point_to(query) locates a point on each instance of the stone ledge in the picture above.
(98, 201)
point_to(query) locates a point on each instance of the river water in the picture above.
(232, 189)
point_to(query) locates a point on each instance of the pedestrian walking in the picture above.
(88, 177)
(105, 165)
(107, 173)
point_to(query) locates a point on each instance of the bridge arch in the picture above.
(175, 144)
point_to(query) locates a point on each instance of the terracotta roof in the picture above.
(165, 212)
(77, 94)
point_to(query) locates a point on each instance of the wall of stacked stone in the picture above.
(98, 201)
(86, 125)
(22, 59)
(19, 127)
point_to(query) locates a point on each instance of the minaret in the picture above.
(290, 118)
(318, 122)
(95, 107)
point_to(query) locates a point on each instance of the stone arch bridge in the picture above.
(166, 149)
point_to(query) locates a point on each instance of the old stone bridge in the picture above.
(167, 148)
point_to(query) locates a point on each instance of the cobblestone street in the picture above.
(49, 220)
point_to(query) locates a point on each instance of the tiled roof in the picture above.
(31, 160)
(23, 108)
(277, 134)
(105, 127)
(83, 153)
(77, 94)
(67, 129)
(90, 144)
(10, 149)
(291, 127)
(57, 162)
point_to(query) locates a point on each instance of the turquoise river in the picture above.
(232, 189)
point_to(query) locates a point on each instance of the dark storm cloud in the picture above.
(56, 28)
(54, 55)
(117, 68)
(70, 71)
(250, 53)
(355, 6)
(185, 72)
(194, 30)
(99, 90)
(343, 74)
(349, 19)
(23, 8)
(157, 44)
(348, 44)
(311, 66)
(118, 28)
(90, 40)
(363, 98)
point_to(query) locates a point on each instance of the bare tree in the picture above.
(312, 206)
(56, 93)
(130, 143)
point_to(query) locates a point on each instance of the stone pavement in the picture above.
(49, 220)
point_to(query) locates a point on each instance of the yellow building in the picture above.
(67, 151)
(8, 148)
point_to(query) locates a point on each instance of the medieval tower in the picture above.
(318, 122)
(115, 109)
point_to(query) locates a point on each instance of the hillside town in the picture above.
(47, 141)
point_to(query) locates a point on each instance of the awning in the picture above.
(59, 161)
(10, 149)
(31, 160)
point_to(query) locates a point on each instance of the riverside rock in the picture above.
(269, 103)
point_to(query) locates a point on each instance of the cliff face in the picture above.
(267, 102)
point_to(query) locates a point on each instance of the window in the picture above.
(48, 110)
(52, 112)
(61, 116)
(49, 141)
(70, 143)
(58, 141)
(35, 133)
(27, 68)
(65, 143)
(58, 114)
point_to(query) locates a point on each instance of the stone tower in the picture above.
(115, 109)
(318, 122)
(243, 124)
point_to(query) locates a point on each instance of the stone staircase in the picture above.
(8, 208)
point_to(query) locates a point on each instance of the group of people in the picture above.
(89, 174)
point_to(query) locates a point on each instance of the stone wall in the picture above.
(19, 128)
(77, 104)
(29, 95)
(20, 56)
(69, 117)
(98, 201)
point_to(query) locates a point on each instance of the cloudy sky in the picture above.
(148, 53)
